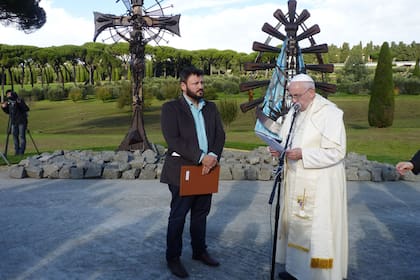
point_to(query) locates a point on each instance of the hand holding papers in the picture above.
(269, 140)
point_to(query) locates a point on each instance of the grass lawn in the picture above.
(93, 124)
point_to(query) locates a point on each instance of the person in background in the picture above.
(313, 231)
(17, 110)
(413, 165)
(194, 133)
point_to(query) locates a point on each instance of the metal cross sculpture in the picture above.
(142, 26)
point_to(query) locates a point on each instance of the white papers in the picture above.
(272, 142)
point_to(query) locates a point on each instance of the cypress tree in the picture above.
(381, 104)
(416, 71)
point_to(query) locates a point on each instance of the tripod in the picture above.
(9, 130)
(277, 184)
(4, 158)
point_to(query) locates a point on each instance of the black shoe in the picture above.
(206, 259)
(286, 276)
(177, 269)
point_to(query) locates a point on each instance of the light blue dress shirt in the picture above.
(199, 125)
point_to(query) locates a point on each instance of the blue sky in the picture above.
(232, 24)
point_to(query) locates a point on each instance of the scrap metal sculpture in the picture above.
(290, 62)
(275, 104)
(142, 26)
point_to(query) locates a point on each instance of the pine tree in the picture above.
(382, 103)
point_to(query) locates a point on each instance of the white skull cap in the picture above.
(302, 78)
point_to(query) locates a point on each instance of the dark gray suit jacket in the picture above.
(179, 131)
(416, 162)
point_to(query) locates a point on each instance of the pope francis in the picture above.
(313, 235)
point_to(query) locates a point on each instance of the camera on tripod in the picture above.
(17, 110)
(11, 101)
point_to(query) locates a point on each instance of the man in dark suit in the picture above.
(194, 133)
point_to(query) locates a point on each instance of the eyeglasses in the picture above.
(298, 95)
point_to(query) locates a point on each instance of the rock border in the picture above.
(257, 164)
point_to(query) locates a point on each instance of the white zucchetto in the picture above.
(302, 78)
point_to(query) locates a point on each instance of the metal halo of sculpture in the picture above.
(138, 27)
(288, 63)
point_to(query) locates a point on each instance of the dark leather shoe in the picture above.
(177, 269)
(206, 259)
(286, 276)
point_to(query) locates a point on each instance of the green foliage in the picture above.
(161, 88)
(404, 85)
(104, 93)
(88, 90)
(125, 98)
(27, 95)
(355, 87)
(82, 75)
(170, 88)
(381, 104)
(416, 71)
(225, 84)
(76, 94)
(56, 94)
(210, 93)
(38, 94)
(354, 77)
(92, 124)
(228, 111)
(26, 15)
(149, 69)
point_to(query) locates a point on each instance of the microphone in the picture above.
(296, 107)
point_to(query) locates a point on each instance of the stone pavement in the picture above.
(115, 229)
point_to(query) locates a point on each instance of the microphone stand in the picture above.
(277, 184)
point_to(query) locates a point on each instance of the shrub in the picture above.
(170, 89)
(231, 87)
(56, 94)
(104, 93)
(38, 94)
(358, 87)
(124, 99)
(88, 90)
(75, 94)
(25, 94)
(407, 85)
(210, 93)
(228, 111)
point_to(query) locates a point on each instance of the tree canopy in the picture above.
(26, 15)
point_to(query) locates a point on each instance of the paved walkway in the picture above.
(115, 229)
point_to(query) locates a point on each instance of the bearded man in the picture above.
(194, 133)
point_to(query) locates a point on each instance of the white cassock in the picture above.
(313, 235)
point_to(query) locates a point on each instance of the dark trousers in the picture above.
(19, 138)
(199, 205)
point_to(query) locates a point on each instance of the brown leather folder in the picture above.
(194, 183)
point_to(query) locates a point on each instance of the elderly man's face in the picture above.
(301, 93)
